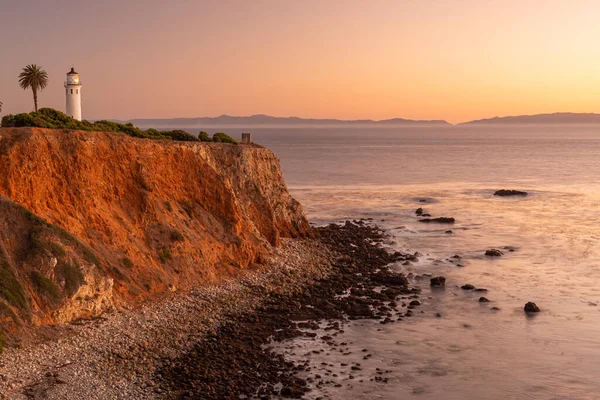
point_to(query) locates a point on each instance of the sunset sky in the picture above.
(351, 59)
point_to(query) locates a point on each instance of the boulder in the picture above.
(440, 220)
(448, 232)
(389, 278)
(483, 300)
(493, 253)
(415, 303)
(505, 192)
(531, 307)
(468, 286)
(419, 211)
(438, 281)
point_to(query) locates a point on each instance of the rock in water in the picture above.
(438, 281)
(468, 286)
(505, 192)
(493, 253)
(483, 300)
(419, 211)
(440, 220)
(531, 307)
(390, 278)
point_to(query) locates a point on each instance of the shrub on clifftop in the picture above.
(203, 136)
(53, 119)
(223, 138)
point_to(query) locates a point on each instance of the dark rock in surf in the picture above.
(389, 278)
(493, 253)
(505, 193)
(448, 232)
(419, 211)
(483, 300)
(531, 307)
(438, 281)
(425, 215)
(468, 286)
(440, 220)
(414, 303)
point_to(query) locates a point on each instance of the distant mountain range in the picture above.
(555, 118)
(261, 119)
(266, 120)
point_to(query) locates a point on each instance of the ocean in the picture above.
(470, 351)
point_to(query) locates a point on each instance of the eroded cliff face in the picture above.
(92, 220)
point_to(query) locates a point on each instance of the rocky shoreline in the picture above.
(236, 360)
(213, 342)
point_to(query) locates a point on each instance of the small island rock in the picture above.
(531, 307)
(438, 281)
(505, 193)
(440, 220)
(493, 253)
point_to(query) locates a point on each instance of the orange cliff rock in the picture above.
(91, 220)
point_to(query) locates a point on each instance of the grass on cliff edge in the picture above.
(53, 119)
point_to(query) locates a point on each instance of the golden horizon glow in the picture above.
(447, 59)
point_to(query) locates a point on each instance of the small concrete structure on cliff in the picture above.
(247, 138)
(73, 93)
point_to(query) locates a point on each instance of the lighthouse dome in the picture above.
(72, 77)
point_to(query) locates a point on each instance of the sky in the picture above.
(456, 60)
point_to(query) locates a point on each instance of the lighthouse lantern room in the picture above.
(73, 92)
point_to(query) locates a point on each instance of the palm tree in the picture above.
(34, 77)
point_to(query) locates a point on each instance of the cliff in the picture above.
(92, 220)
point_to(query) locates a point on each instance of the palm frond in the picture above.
(34, 77)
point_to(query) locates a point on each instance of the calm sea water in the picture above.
(472, 352)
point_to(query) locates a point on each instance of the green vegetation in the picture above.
(120, 275)
(164, 254)
(203, 136)
(45, 285)
(176, 236)
(10, 288)
(223, 138)
(72, 275)
(88, 254)
(57, 250)
(35, 78)
(2, 342)
(53, 119)
(188, 207)
(127, 262)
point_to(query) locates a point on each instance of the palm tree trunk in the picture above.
(35, 99)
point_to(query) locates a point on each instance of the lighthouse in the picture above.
(73, 91)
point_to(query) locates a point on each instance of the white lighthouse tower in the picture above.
(73, 90)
